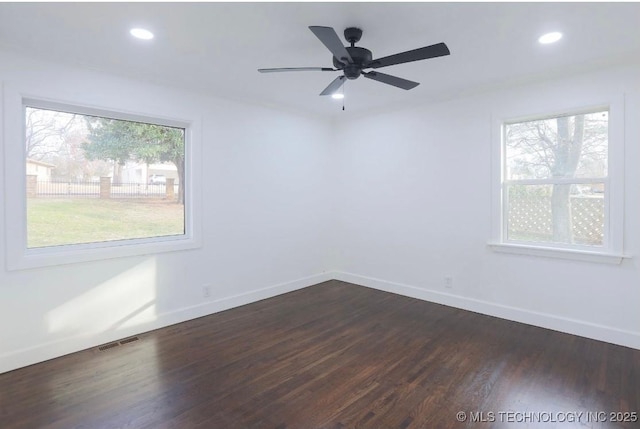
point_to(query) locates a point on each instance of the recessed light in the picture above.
(552, 37)
(141, 33)
(337, 96)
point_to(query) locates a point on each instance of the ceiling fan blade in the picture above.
(330, 39)
(433, 51)
(391, 80)
(334, 86)
(288, 69)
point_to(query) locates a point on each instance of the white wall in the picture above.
(264, 211)
(394, 201)
(415, 197)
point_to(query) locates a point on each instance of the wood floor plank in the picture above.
(334, 355)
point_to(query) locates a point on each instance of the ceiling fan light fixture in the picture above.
(141, 33)
(548, 38)
(337, 96)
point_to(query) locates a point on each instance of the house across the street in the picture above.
(38, 168)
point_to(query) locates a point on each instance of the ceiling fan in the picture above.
(352, 60)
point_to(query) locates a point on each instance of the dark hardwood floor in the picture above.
(333, 355)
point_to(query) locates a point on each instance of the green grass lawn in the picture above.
(54, 222)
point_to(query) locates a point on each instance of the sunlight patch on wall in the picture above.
(127, 299)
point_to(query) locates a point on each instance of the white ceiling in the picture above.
(216, 48)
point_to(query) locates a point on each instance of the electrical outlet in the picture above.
(206, 291)
(448, 282)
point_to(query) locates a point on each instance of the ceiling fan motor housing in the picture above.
(361, 59)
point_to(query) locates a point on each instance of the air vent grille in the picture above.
(108, 346)
(118, 343)
(128, 340)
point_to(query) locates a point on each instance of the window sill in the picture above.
(548, 252)
(78, 253)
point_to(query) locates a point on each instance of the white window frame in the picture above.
(612, 249)
(19, 256)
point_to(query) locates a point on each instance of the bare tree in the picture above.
(45, 131)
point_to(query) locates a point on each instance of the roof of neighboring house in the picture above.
(44, 164)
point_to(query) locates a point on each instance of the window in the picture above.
(86, 183)
(555, 180)
(556, 188)
(94, 179)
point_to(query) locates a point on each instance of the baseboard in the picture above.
(42, 352)
(571, 326)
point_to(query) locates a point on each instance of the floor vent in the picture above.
(128, 340)
(118, 343)
(108, 346)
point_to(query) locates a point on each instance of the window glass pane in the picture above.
(567, 214)
(562, 147)
(93, 179)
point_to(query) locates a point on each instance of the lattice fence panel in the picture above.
(530, 218)
(530, 215)
(588, 220)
